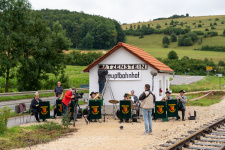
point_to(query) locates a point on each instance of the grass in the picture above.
(7, 98)
(207, 83)
(152, 44)
(206, 101)
(18, 137)
(190, 20)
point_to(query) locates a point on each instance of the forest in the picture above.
(84, 30)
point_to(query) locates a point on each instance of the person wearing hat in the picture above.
(93, 94)
(55, 107)
(102, 72)
(181, 100)
(35, 106)
(167, 97)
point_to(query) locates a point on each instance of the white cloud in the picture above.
(128, 11)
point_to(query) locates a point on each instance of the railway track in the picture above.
(32, 92)
(210, 136)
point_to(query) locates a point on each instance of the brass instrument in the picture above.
(128, 95)
(97, 96)
(164, 99)
(63, 94)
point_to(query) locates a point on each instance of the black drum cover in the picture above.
(134, 117)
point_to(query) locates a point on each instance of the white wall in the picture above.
(119, 88)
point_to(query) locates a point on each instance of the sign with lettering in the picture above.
(124, 75)
(125, 66)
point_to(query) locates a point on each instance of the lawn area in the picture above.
(207, 83)
(18, 137)
(210, 99)
(203, 20)
(152, 44)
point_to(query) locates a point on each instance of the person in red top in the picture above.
(67, 100)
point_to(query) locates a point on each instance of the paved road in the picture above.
(183, 79)
(28, 118)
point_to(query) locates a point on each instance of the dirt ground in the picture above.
(107, 135)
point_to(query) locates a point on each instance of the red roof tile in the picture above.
(138, 52)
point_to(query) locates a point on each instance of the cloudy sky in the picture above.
(130, 11)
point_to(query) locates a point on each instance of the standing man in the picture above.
(147, 100)
(102, 72)
(181, 100)
(35, 106)
(58, 89)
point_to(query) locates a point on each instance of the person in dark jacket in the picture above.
(181, 100)
(58, 89)
(102, 72)
(35, 106)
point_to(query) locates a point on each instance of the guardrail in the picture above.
(33, 92)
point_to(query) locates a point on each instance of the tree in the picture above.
(173, 37)
(166, 40)
(43, 56)
(14, 18)
(193, 35)
(87, 42)
(172, 55)
(187, 15)
(158, 26)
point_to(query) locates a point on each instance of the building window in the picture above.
(160, 88)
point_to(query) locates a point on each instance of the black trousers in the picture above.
(183, 113)
(36, 116)
(54, 112)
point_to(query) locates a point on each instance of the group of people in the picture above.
(181, 101)
(69, 95)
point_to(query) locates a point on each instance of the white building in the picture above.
(129, 68)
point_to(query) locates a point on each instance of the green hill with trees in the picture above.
(86, 31)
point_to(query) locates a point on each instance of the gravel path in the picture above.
(107, 135)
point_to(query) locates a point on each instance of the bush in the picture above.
(213, 48)
(217, 19)
(49, 126)
(165, 45)
(214, 23)
(222, 22)
(166, 40)
(199, 25)
(172, 55)
(184, 41)
(206, 29)
(4, 115)
(212, 33)
(199, 32)
(158, 26)
(77, 58)
(211, 24)
(193, 36)
(212, 27)
(221, 63)
(173, 37)
(224, 32)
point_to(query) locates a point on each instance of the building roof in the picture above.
(139, 53)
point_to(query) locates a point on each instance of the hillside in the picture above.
(153, 43)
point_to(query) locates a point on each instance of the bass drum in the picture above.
(118, 113)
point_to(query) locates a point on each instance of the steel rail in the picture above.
(185, 142)
(32, 92)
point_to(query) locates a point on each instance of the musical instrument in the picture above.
(98, 96)
(128, 95)
(63, 94)
(164, 99)
(113, 101)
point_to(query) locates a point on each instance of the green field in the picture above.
(205, 22)
(153, 43)
(207, 83)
